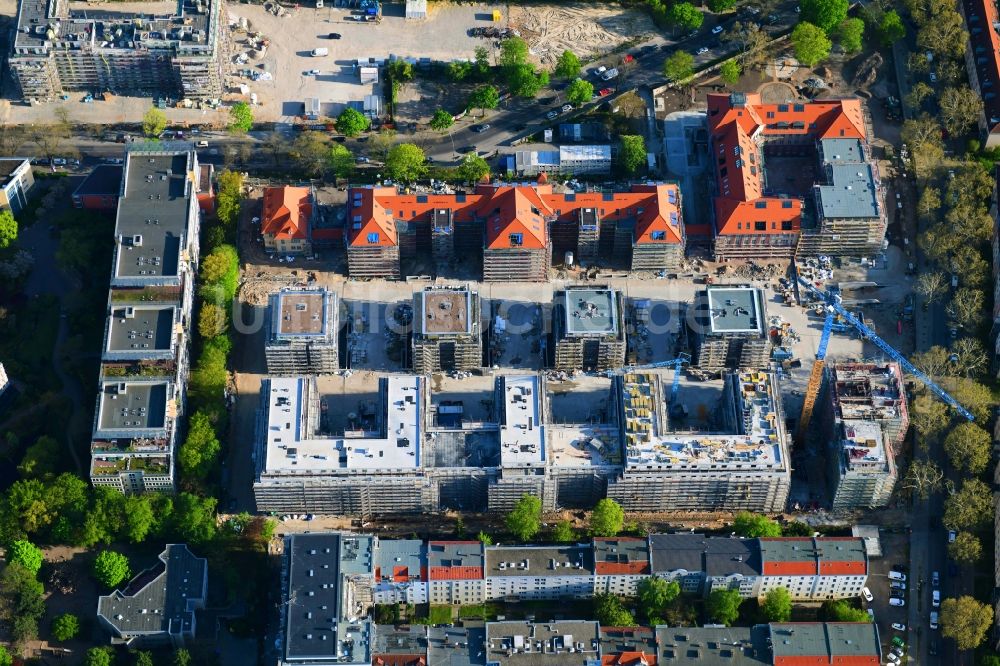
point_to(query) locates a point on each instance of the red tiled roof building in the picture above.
(793, 178)
(286, 218)
(517, 228)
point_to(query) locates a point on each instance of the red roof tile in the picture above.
(286, 212)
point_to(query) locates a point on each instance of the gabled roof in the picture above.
(661, 212)
(286, 212)
(370, 224)
(981, 19)
(515, 210)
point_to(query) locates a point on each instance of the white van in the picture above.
(320, 52)
(895, 575)
(202, 144)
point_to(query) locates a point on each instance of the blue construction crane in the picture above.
(833, 305)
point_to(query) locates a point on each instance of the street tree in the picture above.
(140, 519)
(959, 109)
(99, 656)
(607, 519)
(824, 14)
(975, 397)
(52, 140)
(685, 16)
(966, 306)
(484, 538)
(850, 33)
(678, 66)
(484, 97)
(525, 520)
(21, 602)
(523, 81)
(25, 553)
(513, 52)
(153, 123)
(929, 201)
(719, 6)
(654, 593)
(609, 611)
(945, 36)
(441, 121)
(276, 144)
(918, 94)
(381, 143)
(969, 448)
(935, 362)
(11, 138)
(182, 657)
(406, 163)
(752, 41)
(193, 518)
(143, 658)
(65, 627)
(630, 105)
(891, 28)
(459, 71)
(482, 69)
(730, 72)
(311, 151)
(568, 65)
(111, 568)
(352, 122)
(5, 658)
(932, 285)
(970, 357)
(200, 450)
(631, 152)
(811, 44)
(969, 508)
(966, 620)
(752, 525)
(211, 320)
(240, 118)
(579, 92)
(563, 532)
(723, 606)
(340, 161)
(923, 478)
(777, 605)
(966, 548)
(472, 168)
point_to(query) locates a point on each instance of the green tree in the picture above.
(730, 72)
(563, 532)
(42, 458)
(610, 612)
(922, 478)
(21, 602)
(8, 229)
(932, 285)
(970, 507)
(969, 447)
(966, 620)
(915, 99)
(513, 52)
(796, 528)
(200, 451)
(227, 207)
(5, 658)
(752, 525)
(522, 81)
(442, 121)
(824, 14)
(631, 152)
(719, 6)
(143, 658)
(568, 65)
(352, 122)
(966, 306)
(579, 91)
(472, 168)
(484, 97)
(459, 71)
(194, 518)
(851, 32)
(406, 162)
(891, 28)
(723, 606)
(959, 109)
(841, 611)
(27, 554)
(99, 656)
(777, 605)
(212, 320)
(139, 518)
(340, 161)
(482, 68)
(111, 568)
(678, 66)
(811, 44)
(311, 152)
(182, 657)
(607, 519)
(525, 519)
(484, 538)
(240, 118)
(966, 548)
(153, 123)
(654, 593)
(65, 627)
(685, 16)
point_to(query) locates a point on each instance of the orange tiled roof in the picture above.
(629, 659)
(981, 17)
(740, 205)
(286, 212)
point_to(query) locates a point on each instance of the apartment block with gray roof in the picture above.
(729, 329)
(401, 571)
(589, 329)
(301, 334)
(158, 606)
(560, 643)
(144, 357)
(539, 572)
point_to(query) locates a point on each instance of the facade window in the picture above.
(760, 204)
(760, 226)
(782, 108)
(786, 204)
(373, 238)
(786, 226)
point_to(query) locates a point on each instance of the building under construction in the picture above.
(742, 464)
(446, 330)
(728, 329)
(869, 392)
(862, 469)
(589, 329)
(301, 333)
(181, 54)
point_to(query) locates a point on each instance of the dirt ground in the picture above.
(590, 31)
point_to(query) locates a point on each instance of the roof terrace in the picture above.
(590, 312)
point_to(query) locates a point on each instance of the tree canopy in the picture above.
(959, 109)
(26, 554)
(352, 122)
(841, 611)
(891, 28)
(678, 66)
(969, 508)
(240, 118)
(441, 121)
(607, 519)
(153, 123)
(967, 548)
(201, 448)
(730, 72)
(685, 16)
(21, 602)
(824, 14)
(610, 612)
(723, 606)
(563, 532)
(525, 520)
(340, 161)
(752, 525)
(777, 605)
(969, 447)
(65, 627)
(472, 168)
(8, 229)
(966, 620)
(579, 91)
(654, 593)
(811, 44)
(111, 568)
(406, 162)
(632, 152)
(99, 656)
(568, 65)
(850, 33)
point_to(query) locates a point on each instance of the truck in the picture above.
(320, 52)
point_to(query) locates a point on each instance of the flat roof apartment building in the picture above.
(729, 329)
(302, 331)
(447, 331)
(589, 329)
(144, 359)
(59, 49)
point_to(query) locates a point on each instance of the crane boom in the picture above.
(869, 334)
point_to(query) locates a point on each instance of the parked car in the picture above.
(703, 50)
(566, 108)
(898, 651)
(934, 620)
(896, 585)
(951, 533)
(936, 598)
(58, 161)
(898, 626)
(480, 128)
(893, 658)
(896, 601)
(898, 642)
(717, 29)
(551, 114)
(935, 579)
(867, 594)
(897, 575)
(333, 35)
(604, 92)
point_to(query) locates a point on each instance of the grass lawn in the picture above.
(439, 615)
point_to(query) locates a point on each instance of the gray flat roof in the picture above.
(400, 558)
(140, 328)
(716, 556)
(825, 640)
(390, 639)
(543, 644)
(591, 311)
(449, 554)
(539, 561)
(456, 646)
(443, 312)
(851, 192)
(713, 646)
(735, 309)
(133, 406)
(159, 599)
(842, 150)
(621, 555)
(104, 180)
(153, 212)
